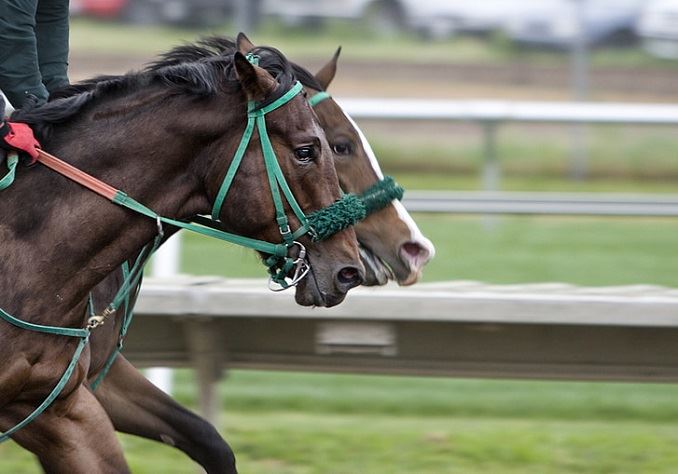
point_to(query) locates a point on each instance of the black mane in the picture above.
(199, 69)
(212, 46)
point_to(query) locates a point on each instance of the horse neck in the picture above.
(68, 239)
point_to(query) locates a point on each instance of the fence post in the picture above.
(165, 264)
(491, 174)
(579, 160)
(206, 358)
(491, 168)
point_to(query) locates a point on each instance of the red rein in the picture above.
(19, 136)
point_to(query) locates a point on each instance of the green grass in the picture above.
(623, 153)
(358, 43)
(512, 250)
(318, 423)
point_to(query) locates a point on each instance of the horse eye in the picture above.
(305, 154)
(341, 148)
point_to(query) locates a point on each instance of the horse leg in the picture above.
(74, 436)
(138, 407)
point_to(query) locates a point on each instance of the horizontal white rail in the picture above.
(531, 203)
(510, 111)
(457, 301)
(451, 328)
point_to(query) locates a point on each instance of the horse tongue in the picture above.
(376, 273)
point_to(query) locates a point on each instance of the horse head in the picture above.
(305, 160)
(391, 244)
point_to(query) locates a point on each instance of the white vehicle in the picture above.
(658, 28)
(433, 18)
(553, 23)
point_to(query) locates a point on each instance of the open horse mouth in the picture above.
(405, 269)
(377, 272)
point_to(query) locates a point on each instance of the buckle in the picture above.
(98, 320)
(285, 231)
(301, 269)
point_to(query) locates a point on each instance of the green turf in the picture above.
(317, 423)
(529, 151)
(585, 251)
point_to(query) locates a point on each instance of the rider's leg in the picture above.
(19, 68)
(51, 31)
(8, 106)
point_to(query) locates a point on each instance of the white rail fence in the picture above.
(466, 329)
(490, 115)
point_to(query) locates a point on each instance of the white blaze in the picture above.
(415, 233)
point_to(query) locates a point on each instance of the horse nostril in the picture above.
(414, 249)
(350, 276)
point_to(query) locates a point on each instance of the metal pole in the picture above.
(491, 174)
(206, 358)
(247, 14)
(580, 90)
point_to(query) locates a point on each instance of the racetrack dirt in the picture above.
(517, 81)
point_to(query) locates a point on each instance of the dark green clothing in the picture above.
(33, 48)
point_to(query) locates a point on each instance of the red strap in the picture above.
(20, 137)
(76, 175)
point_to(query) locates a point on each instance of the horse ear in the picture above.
(255, 81)
(243, 43)
(327, 72)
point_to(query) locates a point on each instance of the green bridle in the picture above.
(279, 263)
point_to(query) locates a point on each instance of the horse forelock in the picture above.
(198, 69)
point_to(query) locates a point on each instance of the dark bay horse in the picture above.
(393, 245)
(166, 136)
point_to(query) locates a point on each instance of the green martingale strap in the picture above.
(127, 317)
(81, 333)
(53, 394)
(59, 331)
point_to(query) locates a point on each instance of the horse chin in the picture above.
(378, 272)
(412, 278)
(307, 293)
(406, 275)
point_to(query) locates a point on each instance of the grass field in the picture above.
(348, 424)
(628, 153)
(585, 251)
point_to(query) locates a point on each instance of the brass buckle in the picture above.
(99, 320)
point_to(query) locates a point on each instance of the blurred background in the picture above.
(514, 51)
